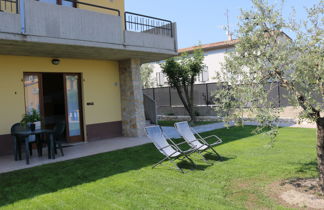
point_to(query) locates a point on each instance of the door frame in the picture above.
(82, 137)
(73, 139)
(40, 94)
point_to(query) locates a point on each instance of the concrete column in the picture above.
(133, 119)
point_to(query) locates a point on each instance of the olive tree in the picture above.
(265, 57)
(181, 73)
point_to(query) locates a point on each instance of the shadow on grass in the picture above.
(307, 167)
(28, 183)
(188, 165)
(210, 156)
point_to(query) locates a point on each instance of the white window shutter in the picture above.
(205, 75)
(198, 77)
(163, 79)
(160, 79)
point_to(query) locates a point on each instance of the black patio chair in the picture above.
(18, 140)
(58, 136)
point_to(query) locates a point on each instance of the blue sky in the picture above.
(203, 20)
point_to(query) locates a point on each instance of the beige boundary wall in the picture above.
(288, 114)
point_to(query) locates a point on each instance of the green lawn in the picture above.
(124, 179)
(171, 123)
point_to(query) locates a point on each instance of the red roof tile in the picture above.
(216, 45)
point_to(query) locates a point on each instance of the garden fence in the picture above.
(168, 101)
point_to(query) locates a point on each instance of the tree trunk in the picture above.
(184, 102)
(192, 115)
(192, 106)
(189, 100)
(320, 150)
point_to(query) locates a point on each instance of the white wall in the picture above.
(213, 60)
(157, 70)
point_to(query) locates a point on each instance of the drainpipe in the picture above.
(22, 16)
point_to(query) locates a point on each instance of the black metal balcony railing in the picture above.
(11, 6)
(133, 22)
(142, 23)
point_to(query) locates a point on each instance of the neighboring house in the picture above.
(167, 99)
(78, 62)
(214, 57)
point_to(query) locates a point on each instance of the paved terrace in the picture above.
(8, 164)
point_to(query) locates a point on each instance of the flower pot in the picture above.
(38, 125)
(32, 126)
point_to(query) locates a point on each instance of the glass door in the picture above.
(33, 93)
(73, 108)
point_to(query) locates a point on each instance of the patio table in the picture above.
(26, 134)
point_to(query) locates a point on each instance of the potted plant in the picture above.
(30, 118)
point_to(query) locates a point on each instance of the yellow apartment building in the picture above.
(77, 62)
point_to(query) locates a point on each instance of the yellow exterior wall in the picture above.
(100, 85)
(7, 6)
(115, 4)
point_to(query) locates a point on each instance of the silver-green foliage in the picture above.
(266, 56)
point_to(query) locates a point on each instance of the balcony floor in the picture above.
(80, 50)
(8, 164)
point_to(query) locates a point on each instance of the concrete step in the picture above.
(147, 123)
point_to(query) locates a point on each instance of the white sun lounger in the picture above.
(167, 147)
(200, 143)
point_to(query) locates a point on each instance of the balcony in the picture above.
(33, 28)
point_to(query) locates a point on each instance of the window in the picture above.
(50, 1)
(68, 3)
(31, 84)
(204, 75)
(161, 80)
(60, 2)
